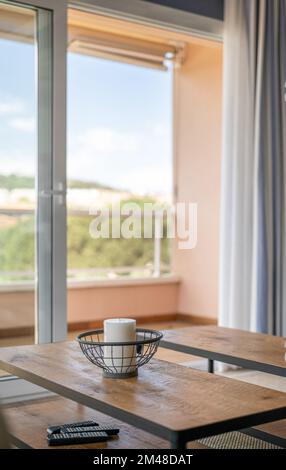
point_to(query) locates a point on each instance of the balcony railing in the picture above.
(154, 268)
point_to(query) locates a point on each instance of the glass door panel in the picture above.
(18, 173)
(119, 156)
(27, 175)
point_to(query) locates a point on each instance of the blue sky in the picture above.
(119, 120)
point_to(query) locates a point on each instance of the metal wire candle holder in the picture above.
(119, 360)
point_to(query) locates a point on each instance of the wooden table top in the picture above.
(166, 399)
(28, 423)
(256, 351)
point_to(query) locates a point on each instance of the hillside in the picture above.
(14, 181)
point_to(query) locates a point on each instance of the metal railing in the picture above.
(154, 269)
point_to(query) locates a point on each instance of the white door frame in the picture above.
(51, 321)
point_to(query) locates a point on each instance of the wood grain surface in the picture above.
(28, 423)
(277, 428)
(165, 399)
(262, 352)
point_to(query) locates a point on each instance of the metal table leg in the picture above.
(178, 442)
(210, 366)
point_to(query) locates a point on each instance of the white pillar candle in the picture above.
(120, 330)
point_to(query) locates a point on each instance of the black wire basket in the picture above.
(120, 360)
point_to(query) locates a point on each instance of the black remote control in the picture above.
(110, 430)
(62, 427)
(76, 438)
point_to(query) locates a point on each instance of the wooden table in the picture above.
(265, 353)
(170, 401)
(28, 423)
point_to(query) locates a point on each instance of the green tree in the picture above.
(17, 247)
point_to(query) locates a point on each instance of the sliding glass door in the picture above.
(18, 168)
(32, 172)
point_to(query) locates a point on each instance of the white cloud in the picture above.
(11, 106)
(105, 140)
(136, 161)
(18, 161)
(13, 110)
(160, 130)
(144, 181)
(23, 124)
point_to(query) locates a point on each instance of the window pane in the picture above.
(119, 150)
(17, 174)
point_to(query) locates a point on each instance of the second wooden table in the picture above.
(265, 353)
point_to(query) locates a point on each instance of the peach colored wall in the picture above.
(198, 88)
(136, 301)
(17, 309)
(93, 303)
